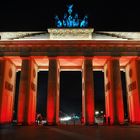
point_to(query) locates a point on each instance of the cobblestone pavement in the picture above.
(70, 132)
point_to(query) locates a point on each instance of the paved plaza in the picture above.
(70, 133)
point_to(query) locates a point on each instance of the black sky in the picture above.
(115, 15)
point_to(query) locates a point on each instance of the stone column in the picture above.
(113, 92)
(87, 92)
(133, 90)
(53, 92)
(27, 92)
(7, 90)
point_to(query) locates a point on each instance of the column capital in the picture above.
(111, 59)
(57, 61)
(53, 57)
(26, 57)
(115, 58)
(88, 57)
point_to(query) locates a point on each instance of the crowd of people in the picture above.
(39, 119)
(106, 119)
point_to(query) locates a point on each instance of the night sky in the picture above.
(25, 15)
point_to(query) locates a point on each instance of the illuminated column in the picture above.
(53, 92)
(87, 92)
(27, 92)
(133, 90)
(7, 90)
(113, 91)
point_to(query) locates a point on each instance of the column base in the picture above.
(91, 124)
(135, 123)
(6, 123)
(51, 124)
(25, 123)
(115, 123)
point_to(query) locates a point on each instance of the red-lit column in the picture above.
(27, 92)
(7, 90)
(87, 92)
(53, 92)
(113, 92)
(133, 90)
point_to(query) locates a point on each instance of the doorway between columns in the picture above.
(42, 91)
(70, 97)
(15, 108)
(124, 92)
(99, 96)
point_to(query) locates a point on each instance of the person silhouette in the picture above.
(82, 119)
(104, 119)
(108, 120)
(39, 119)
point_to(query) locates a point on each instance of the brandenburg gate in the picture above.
(68, 49)
(30, 56)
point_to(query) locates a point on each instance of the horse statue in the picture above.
(84, 22)
(75, 21)
(57, 21)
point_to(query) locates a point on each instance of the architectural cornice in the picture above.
(70, 47)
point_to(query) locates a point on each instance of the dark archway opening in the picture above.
(42, 93)
(124, 92)
(99, 96)
(70, 96)
(15, 109)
